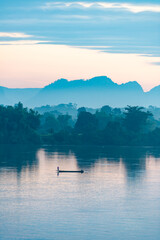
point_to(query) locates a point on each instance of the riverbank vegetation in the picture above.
(132, 125)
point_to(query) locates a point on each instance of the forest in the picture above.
(130, 126)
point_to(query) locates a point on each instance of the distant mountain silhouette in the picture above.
(95, 92)
(10, 96)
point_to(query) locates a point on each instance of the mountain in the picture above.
(95, 92)
(10, 96)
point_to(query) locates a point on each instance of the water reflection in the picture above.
(30, 158)
(18, 158)
(133, 158)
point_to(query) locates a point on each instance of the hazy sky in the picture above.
(41, 41)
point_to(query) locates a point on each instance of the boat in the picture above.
(69, 171)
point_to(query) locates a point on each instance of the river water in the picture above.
(116, 198)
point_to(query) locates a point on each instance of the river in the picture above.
(116, 198)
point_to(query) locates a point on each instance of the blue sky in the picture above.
(126, 27)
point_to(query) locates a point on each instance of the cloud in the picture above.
(19, 42)
(94, 47)
(156, 63)
(14, 35)
(134, 8)
(22, 42)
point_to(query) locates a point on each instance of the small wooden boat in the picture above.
(66, 171)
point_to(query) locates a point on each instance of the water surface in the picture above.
(117, 197)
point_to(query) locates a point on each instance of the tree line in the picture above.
(107, 126)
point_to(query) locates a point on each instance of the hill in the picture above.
(95, 92)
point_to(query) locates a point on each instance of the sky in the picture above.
(42, 41)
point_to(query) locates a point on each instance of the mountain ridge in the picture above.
(93, 92)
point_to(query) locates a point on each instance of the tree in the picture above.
(116, 111)
(18, 125)
(107, 109)
(64, 121)
(102, 118)
(81, 109)
(113, 134)
(135, 118)
(50, 123)
(86, 122)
